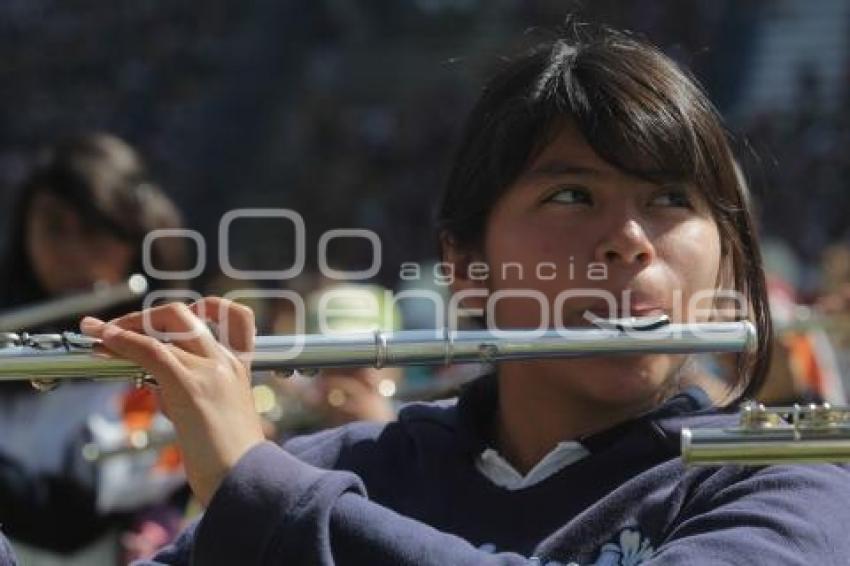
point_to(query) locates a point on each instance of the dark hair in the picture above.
(104, 180)
(639, 112)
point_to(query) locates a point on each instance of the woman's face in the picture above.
(66, 254)
(572, 222)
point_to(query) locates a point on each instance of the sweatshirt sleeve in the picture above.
(273, 508)
(7, 558)
(790, 515)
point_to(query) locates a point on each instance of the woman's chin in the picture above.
(619, 381)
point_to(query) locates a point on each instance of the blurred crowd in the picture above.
(798, 161)
(345, 112)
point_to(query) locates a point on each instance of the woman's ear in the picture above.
(467, 271)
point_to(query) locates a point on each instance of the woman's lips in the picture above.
(586, 316)
(633, 311)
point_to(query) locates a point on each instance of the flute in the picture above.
(50, 358)
(811, 434)
(764, 436)
(62, 308)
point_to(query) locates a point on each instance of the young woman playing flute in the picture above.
(595, 152)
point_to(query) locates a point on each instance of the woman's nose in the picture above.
(626, 242)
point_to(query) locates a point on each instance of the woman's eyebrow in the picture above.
(558, 168)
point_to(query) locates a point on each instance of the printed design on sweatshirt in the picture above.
(629, 548)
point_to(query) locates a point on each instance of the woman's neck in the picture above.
(532, 418)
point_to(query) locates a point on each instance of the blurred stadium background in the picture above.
(347, 111)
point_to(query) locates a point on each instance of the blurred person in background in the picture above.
(79, 223)
(422, 298)
(344, 395)
(337, 396)
(835, 267)
(810, 338)
(806, 363)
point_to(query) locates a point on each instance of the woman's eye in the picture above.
(673, 197)
(571, 195)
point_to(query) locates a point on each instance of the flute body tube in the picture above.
(70, 356)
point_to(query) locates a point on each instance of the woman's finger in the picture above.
(174, 323)
(143, 350)
(92, 326)
(237, 328)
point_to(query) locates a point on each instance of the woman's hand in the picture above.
(204, 387)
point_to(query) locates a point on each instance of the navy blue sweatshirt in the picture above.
(409, 493)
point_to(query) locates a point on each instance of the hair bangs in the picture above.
(640, 120)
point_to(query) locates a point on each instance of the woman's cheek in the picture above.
(692, 257)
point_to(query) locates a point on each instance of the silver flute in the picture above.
(101, 298)
(801, 434)
(810, 434)
(69, 356)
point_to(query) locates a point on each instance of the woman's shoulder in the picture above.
(805, 483)
(701, 487)
(805, 507)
